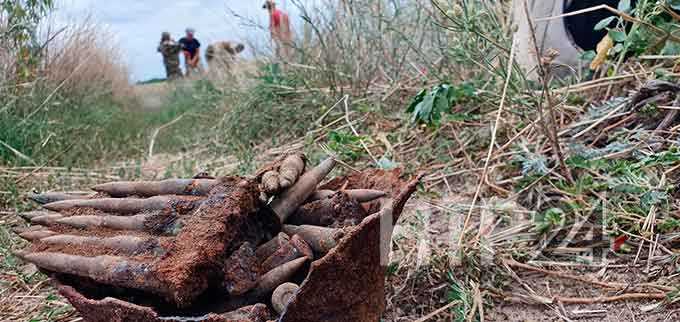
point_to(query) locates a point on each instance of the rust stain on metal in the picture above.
(208, 258)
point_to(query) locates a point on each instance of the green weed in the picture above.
(76, 133)
(464, 297)
(345, 144)
(428, 105)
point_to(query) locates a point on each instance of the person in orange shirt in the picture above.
(279, 29)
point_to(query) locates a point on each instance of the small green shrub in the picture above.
(428, 106)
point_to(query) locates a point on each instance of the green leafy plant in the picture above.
(345, 144)
(652, 32)
(22, 19)
(669, 225)
(532, 163)
(615, 26)
(271, 74)
(428, 105)
(653, 198)
(552, 217)
(463, 296)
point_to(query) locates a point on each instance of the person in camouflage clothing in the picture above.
(170, 50)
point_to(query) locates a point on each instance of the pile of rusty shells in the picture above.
(277, 246)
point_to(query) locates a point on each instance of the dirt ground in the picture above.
(420, 282)
(420, 277)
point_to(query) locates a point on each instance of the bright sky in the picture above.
(138, 24)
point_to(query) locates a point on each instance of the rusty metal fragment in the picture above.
(114, 310)
(229, 258)
(241, 270)
(348, 283)
(216, 229)
(337, 211)
(286, 253)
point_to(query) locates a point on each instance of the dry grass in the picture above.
(355, 46)
(75, 60)
(85, 59)
(7, 59)
(9, 53)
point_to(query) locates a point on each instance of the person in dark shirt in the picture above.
(192, 51)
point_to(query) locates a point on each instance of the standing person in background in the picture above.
(170, 49)
(192, 51)
(279, 29)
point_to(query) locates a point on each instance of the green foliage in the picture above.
(272, 74)
(345, 144)
(624, 5)
(581, 162)
(152, 81)
(551, 218)
(664, 158)
(604, 23)
(462, 117)
(460, 294)
(532, 164)
(671, 49)
(588, 55)
(263, 115)
(653, 198)
(428, 106)
(23, 18)
(631, 185)
(78, 133)
(392, 269)
(669, 225)
(637, 38)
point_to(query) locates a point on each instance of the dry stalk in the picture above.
(349, 123)
(437, 312)
(491, 145)
(550, 127)
(158, 130)
(606, 285)
(520, 298)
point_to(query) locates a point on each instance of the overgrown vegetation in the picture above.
(63, 93)
(83, 132)
(568, 169)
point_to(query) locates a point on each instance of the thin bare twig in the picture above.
(491, 145)
(437, 311)
(608, 285)
(17, 152)
(351, 126)
(158, 130)
(550, 128)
